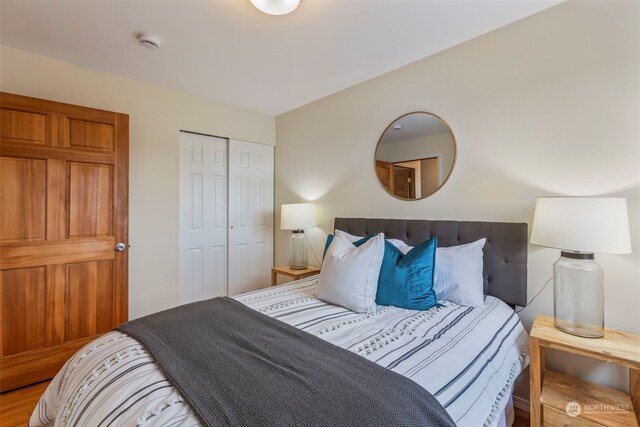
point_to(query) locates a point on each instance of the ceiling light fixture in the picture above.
(276, 7)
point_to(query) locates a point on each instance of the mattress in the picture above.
(468, 358)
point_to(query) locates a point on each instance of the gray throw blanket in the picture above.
(237, 367)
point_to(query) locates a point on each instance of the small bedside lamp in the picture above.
(297, 218)
(579, 227)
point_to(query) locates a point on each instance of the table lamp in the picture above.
(579, 227)
(297, 217)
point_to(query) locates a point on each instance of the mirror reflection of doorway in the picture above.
(410, 179)
(404, 181)
(415, 155)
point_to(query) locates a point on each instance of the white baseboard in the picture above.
(521, 403)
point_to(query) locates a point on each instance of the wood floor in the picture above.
(16, 406)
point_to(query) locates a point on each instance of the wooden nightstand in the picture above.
(551, 392)
(295, 274)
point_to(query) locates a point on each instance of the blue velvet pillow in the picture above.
(406, 281)
(326, 245)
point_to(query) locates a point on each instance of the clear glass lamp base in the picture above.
(298, 257)
(578, 302)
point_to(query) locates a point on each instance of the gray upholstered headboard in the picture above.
(505, 253)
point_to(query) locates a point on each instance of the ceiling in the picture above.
(413, 126)
(228, 51)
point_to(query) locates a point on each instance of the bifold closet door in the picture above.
(250, 216)
(203, 217)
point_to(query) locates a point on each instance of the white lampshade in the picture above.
(582, 224)
(297, 216)
(276, 7)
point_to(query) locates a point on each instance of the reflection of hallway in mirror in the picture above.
(411, 179)
(414, 179)
(415, 155)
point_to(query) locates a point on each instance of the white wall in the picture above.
(156, 115)
(549, 105)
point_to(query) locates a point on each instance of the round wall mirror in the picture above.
(415, 155)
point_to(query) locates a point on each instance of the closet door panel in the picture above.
(250, 216)
(203, 217)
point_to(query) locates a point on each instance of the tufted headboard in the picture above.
(505, 253)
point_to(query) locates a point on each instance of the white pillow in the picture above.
(458, 274)
(349, 275)
(404, 248)
(349, 237)
(395, 242)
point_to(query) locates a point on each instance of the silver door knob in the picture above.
(120, 247)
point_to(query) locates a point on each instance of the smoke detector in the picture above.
(149, 41)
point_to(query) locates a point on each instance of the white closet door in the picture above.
(250, 216)
(203, 217)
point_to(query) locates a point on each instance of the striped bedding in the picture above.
(468, 358)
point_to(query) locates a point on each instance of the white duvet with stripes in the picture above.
(468, 358)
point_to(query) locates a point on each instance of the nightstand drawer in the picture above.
(555, 418)
(559, 390)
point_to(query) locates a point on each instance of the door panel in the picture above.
(90, 200)
(23, 127)
(241, 197)
(384, 171)
(84, 134)
(23, 201)
(239, 268)
(88, 299)
(203, 217)
(263, 213)
(64, 196)
(23, 294)
(401, 182)
(250, 216)
(217, 266)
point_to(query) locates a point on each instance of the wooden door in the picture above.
(404, 182)
(250, 216)
(63, 207)
(385, 174)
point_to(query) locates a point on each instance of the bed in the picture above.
(468, 358)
